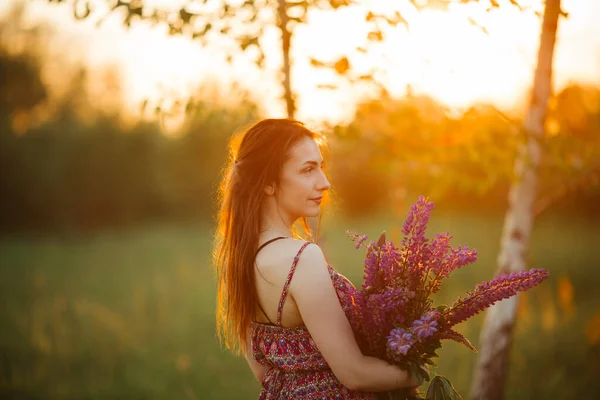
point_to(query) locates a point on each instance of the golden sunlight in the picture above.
(459, 56)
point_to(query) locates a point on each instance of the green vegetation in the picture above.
(131, 315)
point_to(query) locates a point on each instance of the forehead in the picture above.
(306, 149)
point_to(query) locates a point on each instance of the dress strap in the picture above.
(270, 241)
(259, 249)
(264, 313)
(286, 286)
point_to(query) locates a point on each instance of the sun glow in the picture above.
(464, 54)
(459, 56)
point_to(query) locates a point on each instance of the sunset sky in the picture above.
(441, 54)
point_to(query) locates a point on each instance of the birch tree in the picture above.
(492, 364)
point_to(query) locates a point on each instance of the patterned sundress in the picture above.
(297, 370)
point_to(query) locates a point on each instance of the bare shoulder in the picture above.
(312, 267)
(277, 258)
(312, 256)
(281, 250)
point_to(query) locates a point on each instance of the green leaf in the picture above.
(423, 374)
(441, 308)
(414, 375)
(433, 391)
(457, 337)
(441, 388)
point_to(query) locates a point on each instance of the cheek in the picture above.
(304, 186)
(297, 189)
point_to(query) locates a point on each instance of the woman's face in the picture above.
(302, 181)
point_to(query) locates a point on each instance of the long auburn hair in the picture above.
(256, 159)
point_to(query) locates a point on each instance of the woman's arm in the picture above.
(259, 370)
(324, 317)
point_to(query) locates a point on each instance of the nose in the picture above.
(323, 183)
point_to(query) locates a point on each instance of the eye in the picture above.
(308, 170)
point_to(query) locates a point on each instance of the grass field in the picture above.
(131, 314)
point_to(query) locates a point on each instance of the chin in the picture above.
(312, 213)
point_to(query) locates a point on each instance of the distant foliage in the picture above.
(83, 169)
(70, 165)
(415, 145)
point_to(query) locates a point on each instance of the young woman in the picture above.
(279, 302)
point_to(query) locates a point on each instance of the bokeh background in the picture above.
(114, 123)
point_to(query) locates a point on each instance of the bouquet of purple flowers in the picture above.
(394, 317)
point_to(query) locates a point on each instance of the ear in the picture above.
(269, 189)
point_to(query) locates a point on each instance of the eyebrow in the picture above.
(312, 163)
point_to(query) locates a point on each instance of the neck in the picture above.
(274, 221)
(275, 226)
(278, 230)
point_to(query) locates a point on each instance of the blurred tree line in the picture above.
(396, 148)
(79, 168)
(68, 166)
(69, 174)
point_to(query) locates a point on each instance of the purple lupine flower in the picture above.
(382, 312)
(376, 318)
(443, 263)
(355, 237)
(389, 306)
(459, 257)
(418, 217)
(371, 271)
(376, 307)
(397, 285)
(394, 298)
(354, 313)
(414, 243)
(361, 240)
(388, 263)
(439, 248)
(400, 341)
(487, 293)
(427, 325)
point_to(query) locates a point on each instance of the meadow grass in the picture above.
(131, 314)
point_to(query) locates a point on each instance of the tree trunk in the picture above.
(492, 364)
(286, 37)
